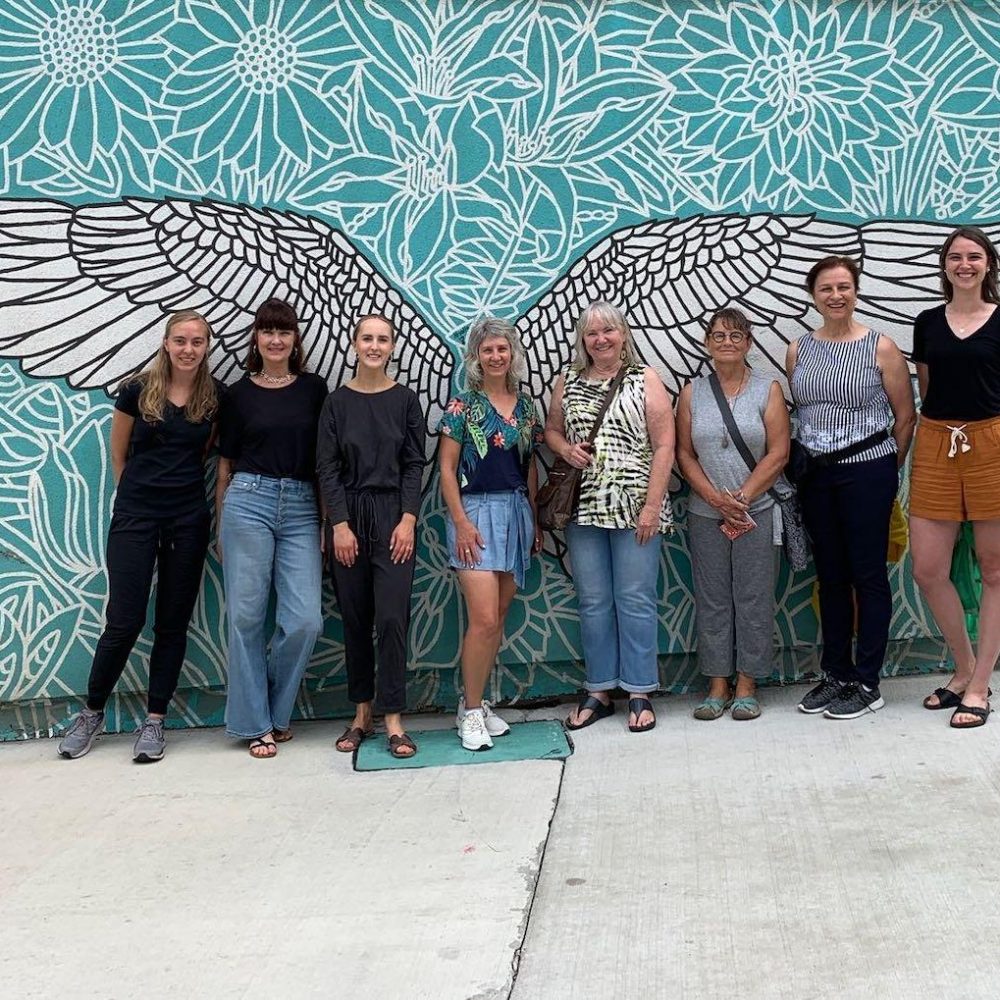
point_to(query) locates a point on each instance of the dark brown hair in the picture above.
(275, 314)
(733, 319)
(828, 264)
(989, 286)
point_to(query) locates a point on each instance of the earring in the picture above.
(623, 355)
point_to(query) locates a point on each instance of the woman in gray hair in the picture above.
(489, 435)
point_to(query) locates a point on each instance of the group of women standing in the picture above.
(303, 474)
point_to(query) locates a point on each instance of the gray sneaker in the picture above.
(150, 743)
(80, 736)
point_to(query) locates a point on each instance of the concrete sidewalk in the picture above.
(791, 857)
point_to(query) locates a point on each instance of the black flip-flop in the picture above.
(597, 709)
(946, 699)
(395, 742)
(637, 706)
(981, 714)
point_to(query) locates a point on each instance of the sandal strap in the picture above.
(594, 704)
(638, 705)
(395, 742)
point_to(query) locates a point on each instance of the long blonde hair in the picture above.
(155, 380)
(604, 312)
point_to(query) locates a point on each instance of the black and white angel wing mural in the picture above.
(84, 289)
(670, 275)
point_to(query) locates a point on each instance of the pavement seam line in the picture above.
(515, 961)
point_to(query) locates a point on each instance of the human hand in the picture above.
(647, 524)
(536, 546)
(401, 543)
(345, 544)
(732, 507)
(468, 544)
(580, 455)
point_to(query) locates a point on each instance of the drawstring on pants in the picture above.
(959, 439)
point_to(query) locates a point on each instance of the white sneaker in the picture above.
(495, 726)
(473, 731)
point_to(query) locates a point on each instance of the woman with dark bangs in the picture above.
(269, 527)
(160, 433)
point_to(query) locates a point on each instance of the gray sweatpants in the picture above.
(733, 596)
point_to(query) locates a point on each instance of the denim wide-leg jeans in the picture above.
(269, 533)
(615, 579)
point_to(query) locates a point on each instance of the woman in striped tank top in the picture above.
(856, 415)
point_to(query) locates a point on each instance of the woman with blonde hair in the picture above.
(489, 478)
(624, 509)
(161, 429)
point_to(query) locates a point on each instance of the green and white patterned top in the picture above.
(613, 488)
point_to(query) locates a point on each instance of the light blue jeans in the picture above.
(269, 532)
(616, 586)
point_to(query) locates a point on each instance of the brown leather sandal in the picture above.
(353, 736)
(282, 735)
(395, 742)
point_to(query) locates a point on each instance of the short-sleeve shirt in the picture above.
(164, 473)
(613, 487)
(272, 432)
(963, 374)
(495, 450)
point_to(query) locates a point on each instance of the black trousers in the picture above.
(374, 596)
(846, 509)
(136, 545)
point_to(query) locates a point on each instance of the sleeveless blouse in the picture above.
(613, 487)
(839, 395)
(722, 463)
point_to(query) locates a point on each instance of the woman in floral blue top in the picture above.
(488, 480)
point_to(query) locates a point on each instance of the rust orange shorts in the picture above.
(955, 475)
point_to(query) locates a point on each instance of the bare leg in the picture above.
(988, 555)
(487, 594)
(931, 544)
(746, 686)
(362, 720)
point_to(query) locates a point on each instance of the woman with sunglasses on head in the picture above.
(732, 529)
(269, 527)
(370, 459)
(955, 475)
(854, 401)
(162, 426)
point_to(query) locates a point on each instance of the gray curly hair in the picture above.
(607, 313)
(483, 329)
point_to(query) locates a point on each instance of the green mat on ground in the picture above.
(440, 747)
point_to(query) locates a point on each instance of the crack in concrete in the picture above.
(515, 961)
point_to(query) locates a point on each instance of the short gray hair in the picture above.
(602, 310)
(483, 329)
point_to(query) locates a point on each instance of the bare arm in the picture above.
(899, 389)
(121, 435)
(778, 432)
(468, 541)
(223, 474)
(791, 357)
(660, 428)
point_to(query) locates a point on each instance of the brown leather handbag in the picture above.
(559, 496)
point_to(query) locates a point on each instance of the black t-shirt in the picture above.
(164, 473)
(370, 441)
(963, 376)
(272, 432)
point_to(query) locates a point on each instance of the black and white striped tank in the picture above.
(839, 396)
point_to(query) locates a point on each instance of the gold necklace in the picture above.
(274, 379)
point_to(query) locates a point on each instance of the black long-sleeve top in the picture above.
(370, 441)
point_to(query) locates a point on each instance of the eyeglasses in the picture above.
(735, 336)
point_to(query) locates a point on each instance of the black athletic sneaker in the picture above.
(820, 697)
(853, 701)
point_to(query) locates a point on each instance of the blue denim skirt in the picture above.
(507, 526)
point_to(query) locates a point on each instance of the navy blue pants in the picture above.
(846, 509)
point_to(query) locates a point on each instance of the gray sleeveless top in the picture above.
(721, 461)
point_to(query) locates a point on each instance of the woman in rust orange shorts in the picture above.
(956, 463)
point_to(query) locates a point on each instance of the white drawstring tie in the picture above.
(958, 439)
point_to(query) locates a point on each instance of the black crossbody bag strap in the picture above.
(734, 431)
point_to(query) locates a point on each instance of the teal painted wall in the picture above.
(439, 159)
